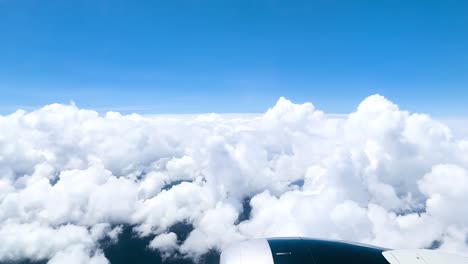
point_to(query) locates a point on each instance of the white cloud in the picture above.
(166, 243)
(446, 188)
(36, 241)
(76, 255)
(378, 175)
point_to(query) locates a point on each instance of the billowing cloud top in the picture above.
(71, 177)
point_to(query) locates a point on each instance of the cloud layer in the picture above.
(70, 178)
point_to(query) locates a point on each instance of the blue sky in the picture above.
(233, 56)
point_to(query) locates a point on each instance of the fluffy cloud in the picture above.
(37, 242)
(166, 243)
(69, 178)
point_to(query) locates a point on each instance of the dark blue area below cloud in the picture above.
(133, 249)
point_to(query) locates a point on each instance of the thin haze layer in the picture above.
(70, 178)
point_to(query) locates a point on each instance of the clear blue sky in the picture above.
(191, 56)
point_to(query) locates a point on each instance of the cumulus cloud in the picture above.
(166, 242)
(70, 178)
